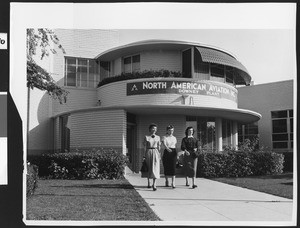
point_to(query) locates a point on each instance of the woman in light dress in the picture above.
(152, 155)
(170, 155)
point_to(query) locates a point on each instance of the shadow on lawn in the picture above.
(120, 186)
(275, 176)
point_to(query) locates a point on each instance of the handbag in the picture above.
(144, 167)
(179, 165)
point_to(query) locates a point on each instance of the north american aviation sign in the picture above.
(182, 87)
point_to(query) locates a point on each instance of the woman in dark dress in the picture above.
(189, 146)
(170, 155)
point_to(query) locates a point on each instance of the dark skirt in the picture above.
(169, 161)
(190, 165)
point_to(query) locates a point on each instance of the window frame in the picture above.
(78, 82)
(131, 63)
(287, 118)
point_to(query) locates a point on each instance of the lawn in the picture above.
(87, 200)
(279, 185)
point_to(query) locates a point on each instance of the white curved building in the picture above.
(153, 81)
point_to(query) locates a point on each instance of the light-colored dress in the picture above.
(152, 155)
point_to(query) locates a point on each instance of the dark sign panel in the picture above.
(182, 87)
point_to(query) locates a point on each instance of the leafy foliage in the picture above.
(143, 74)
(95, 164)
(239, 163)
(31, 180)
(37, 77)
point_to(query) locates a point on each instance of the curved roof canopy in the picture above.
(214, 56)
(208, 54)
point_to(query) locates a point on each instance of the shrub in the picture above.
(239, 163)
(31, 179)
(95, 164)
(288, 161)
(143, 74)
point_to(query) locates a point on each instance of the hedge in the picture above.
(94, 164)
(143, 74)
(288, 161)
(239, 164)
(31, 180)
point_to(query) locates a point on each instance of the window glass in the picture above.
(127, 65)
(280, 137)
(104, 69)
(81, 72)
(279, 126)
(70, 72)
(93, 74)
(229, 72)
(282, 129)
(217, 70)
(135, 63)
(279, 114)
(280, 145)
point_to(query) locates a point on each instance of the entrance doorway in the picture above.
(131, 144)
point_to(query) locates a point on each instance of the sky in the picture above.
(267, 54)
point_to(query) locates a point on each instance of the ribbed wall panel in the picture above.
(97, 129)
(77, 99)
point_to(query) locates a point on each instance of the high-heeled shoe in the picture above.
(154, 188)
(195, 186)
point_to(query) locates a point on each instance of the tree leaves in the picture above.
(37, 77)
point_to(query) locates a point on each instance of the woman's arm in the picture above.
(183, 147)
(165, 144)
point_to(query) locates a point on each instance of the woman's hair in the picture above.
(187, 129)
(169, 127)
(152, 125)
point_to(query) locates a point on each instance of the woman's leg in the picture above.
(195, 173)
(173, 181)
(167, 181)
(149, 185)
(187, 181)
(154, 184)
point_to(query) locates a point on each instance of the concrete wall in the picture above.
(263, 99)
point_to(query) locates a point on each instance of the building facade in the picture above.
(152, 81)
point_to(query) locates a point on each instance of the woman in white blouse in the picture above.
(170, 155)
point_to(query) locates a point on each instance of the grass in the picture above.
(87, 200)
(279, 184)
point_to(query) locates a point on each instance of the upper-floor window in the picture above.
(104, 69)
(81, 72)
(282, 129)
(132, 64)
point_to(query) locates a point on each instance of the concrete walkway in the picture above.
(212, 201)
